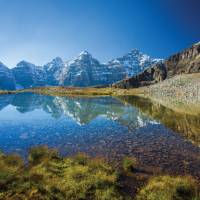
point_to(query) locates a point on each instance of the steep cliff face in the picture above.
(185, 62)
(53, 70)
(7, 81)
(28, 75)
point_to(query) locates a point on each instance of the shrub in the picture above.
(169, 188)
(129, 163)
(41, 153)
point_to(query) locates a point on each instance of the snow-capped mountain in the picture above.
(133, 62)
(7, 81)
(84, 70)
(53, 70)
(29, 75)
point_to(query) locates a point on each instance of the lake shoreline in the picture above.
(181, 93)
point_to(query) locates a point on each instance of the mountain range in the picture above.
(82, 71)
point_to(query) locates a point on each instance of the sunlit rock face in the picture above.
(29, 75)
(53, 70)
(7, 81)
(186, 61)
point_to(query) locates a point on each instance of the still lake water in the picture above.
(159, 137)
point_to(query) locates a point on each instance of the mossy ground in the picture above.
(48, 176)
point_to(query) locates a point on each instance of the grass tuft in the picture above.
(129, 163)
(169, 188)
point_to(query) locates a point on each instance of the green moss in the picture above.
(169, 188)
(129, 163)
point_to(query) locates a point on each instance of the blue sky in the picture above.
(39, 30)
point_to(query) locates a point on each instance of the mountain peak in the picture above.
(25, 63)
(135, 51)
(84, 54)
(1, 64)
(56, 60)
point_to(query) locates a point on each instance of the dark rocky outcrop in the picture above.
(185, 62)
(150, 76)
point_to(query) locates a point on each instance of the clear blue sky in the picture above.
(39, 30)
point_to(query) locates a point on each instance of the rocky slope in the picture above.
(7, 81)
(82, 71)
(183, 88)
(184, 62)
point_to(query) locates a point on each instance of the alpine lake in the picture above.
(165, 140)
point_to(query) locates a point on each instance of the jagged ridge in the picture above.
(82, 71)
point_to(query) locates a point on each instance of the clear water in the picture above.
(159, 137)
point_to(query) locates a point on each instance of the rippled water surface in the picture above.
(104, 126)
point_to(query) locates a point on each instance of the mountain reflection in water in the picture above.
(180, 122)
(81, 110)
(102, 126)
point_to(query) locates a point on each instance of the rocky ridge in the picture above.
(184, 62)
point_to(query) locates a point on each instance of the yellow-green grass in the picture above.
(129, 163)
(169, 188)
(75, 91)
(49, 176)
(7, 92)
